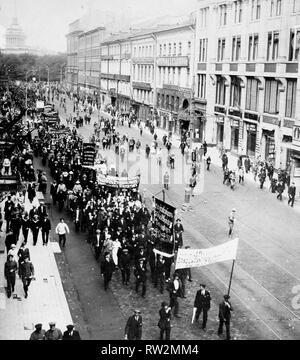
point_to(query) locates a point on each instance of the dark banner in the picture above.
(164, 224)
(88, 154)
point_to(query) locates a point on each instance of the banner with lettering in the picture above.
(192, 258)
(164, 223)
(88, 154)
(118, 182)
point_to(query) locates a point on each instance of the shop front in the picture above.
(220, 130)
(268, 145)
(199, 122)
(251, 136)
(235, 133)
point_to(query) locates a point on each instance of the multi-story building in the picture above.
(72, 54)
(15, 39)
(115, 72)
(247, 75)
(175, 77)
(143, 59)
(89, 60)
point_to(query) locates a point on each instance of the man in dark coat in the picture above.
(141, 277)
(201, 303)
(124, 264)
(107, 269)
(133, 329)
(8, 212)
(10, 269)
(165, 321)
(39, 333)
(9, 240)
(46, 227)
(160, 275)
(71, 334)
(292, 194)
(225, 309)
(27, 273)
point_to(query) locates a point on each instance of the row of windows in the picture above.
(274, 8)
(174, 49)
(143, 51)
(271, 94)
(143, 73)
(168, 102)
(173, 76)
(253, 42)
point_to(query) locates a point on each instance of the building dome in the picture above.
(15, 37)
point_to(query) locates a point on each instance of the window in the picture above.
(159, 75)
(165, 49)
(174, 49)
(273, 45)
(189, 47)
(272, 95)
(180, 49)
(291, 90)
(252, 93)
(236, 48)
(253, 47)
(134, 51)
(174, 76)
(223, 14)
(272, 8)
(296, 6)
(294, 45)
(160, 50)
(255, 9)
(238, 10)
(235, 91)
(201, 86)
(203, 50)
(179, 75)
(278, 7)
(188, 77)
(220, 90)
(203, 17)
(221, 49)
(170, 49)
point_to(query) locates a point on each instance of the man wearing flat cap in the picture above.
(124, 263)
(39, 333)
(71, 334)
(225, 309)
(53, 333)
(201, 304)
(133, 329)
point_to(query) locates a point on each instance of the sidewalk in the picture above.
(46, 299)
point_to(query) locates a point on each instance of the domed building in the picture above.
(15, 39)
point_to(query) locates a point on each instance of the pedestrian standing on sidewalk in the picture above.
(165, 321)
(292, 194)
(10, 269)
(62, 229)
(53, 333)
(231, 221)
(35, 228)
(46, 227)
(27, 274)
(225, 309)
(208, 162)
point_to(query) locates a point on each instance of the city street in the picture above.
(267, 269)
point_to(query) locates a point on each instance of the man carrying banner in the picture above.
(201, 303)
(225, 309)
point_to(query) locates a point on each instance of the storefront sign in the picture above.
(118, 182)
(89, 154)
(251, 127)
(271, 120)
(164, 221)
(180, 61)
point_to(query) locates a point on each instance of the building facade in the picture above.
(15, 39)
(247, 75)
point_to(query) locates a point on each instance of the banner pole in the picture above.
(229, 286)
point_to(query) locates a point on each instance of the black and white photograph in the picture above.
(150, 172)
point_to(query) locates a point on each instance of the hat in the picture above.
(137, 311)
(226, 297)
(203, 285)
(38, 326)
(125, 250)
(52, 323)
(178, 220)
(70, 327)
(163, 304)
(233, 210)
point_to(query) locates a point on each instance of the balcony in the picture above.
(106, 57)
(142, 60)
(178, 61)
(142, 86)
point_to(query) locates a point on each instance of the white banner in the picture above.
(157, 252)
(191, 258)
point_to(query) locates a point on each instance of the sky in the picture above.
(45, 22)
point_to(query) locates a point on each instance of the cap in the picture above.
(38, 326)
(203, 285)
(52, 323)
(70, 327)
(226, 297)
(163, 304)
(137, 311)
